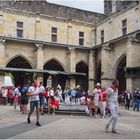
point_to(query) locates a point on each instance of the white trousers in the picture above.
(114, 115)
(103, 106)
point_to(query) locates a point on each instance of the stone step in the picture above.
(68, 112)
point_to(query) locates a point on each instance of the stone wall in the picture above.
(112, 26)
(46, 8)
(111, 6)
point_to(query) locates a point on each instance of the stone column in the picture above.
(133, 60)
(2, 60)
(72, 66)
(39, 61)
(106, 66)
(91, 75)
(2, 53)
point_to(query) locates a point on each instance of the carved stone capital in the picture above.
(133, 39)
(3, 41)
(39, 46)
(92, 52)
(107, 47)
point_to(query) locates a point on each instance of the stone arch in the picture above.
(119, 71)
(20, 77)
(22, 56)
(82, 61)
(82, 67)
(123, 56)
(57, 60)
(54, 65)
(98, 72)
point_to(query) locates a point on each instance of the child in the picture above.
(89, 109)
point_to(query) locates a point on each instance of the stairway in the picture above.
(75, 110)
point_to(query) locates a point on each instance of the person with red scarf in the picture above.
(113, 105)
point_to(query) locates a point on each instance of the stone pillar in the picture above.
(2, 60)
(133, 60)
(106, 66)
(39, 77)
(2, 53)
(39, 61)
(72, 66)
(91, 75)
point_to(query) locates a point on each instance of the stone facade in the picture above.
(116, 57)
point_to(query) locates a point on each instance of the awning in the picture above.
(133, 68)
(51, 72)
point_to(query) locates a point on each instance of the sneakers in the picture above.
(28, 120)
(106, 128)
(115, 132)
(38, 124)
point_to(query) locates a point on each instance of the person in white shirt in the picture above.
(4, 95)
(51, 92)
(97, 93)
(33, 93)
(113, 105)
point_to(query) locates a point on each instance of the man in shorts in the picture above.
(33, 93)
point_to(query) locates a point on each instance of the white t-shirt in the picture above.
(96, 93)
(17, 92)
(51, 93)
(34, 90)
(41, 89)
(113, 95)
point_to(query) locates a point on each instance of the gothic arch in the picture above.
(22, 56)
(81, 61)
(58, 61)
(82, 67)
(20, 77)
(119, 71)
(119, 60)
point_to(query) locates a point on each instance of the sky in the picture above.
(90, 5)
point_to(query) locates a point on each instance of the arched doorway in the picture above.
(56, 78)
(20, 77)
(82, 81)
(120, 73)
(98, 73)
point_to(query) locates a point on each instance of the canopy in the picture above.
(51, 72)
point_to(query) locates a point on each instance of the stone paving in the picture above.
(13, 125)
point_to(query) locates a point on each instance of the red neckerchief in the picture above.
(39, 86)
(35, 86)
(113, 87)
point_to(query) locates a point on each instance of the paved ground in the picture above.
(13, 125)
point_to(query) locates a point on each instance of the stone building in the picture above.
(69, 46)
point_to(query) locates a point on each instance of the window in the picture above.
(19, 29)
(102, 36)
(20, 24)
(81, 38)
(124, 27)
(1, 19)
(19, 33)
(54, 34)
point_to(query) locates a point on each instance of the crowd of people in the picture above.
(100, 101)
